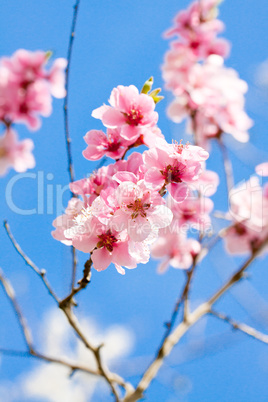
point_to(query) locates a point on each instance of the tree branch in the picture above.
(252, 332)
(183, 327)
(10, 293)
(66, 99)
(66, 124)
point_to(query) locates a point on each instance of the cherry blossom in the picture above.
(173, 166)
(197, 27)
(130, 111)
(249, 214)
(175, 250)
(141, 210)
(14, 153)
(192, 212)
(106, 245)
(26, 87)
(99, 144)
(67, 221)
(214, 96)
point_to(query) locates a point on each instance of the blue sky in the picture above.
(120, 42)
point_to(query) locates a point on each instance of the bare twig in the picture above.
(181, 299)
(9, 291)
(65, 306)
(66, 99)
(110, 378)
(40, 272)
(66, 125)
(183, 327)
(82, 284)
(241, 327)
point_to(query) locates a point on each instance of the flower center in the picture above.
(107, 240)
(178, 147)
(138, 207)
(188, 213)
(133, 117)
(240, 229)
(173, 173)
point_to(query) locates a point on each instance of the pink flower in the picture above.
(130, 111)
(214, 98)
(14, 153)
(175, 250)
(112, 145)
(26, 87)
(66, 221)
(106, 245)
(192, 212)
(249, 212)
(173, 166)
(198, 28)
(91, 187)
(140, 210)
(56, 78)
(208, 182)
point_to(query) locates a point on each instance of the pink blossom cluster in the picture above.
(130, 120)
(14, 153)
(122, 209)
(249, 217)
(174, 246)
(26, 90)
(207, 92)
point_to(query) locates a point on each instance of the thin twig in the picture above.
(110, 378)
(183, 327)
(40, 272)
(181, 299)
(66, 99)
(185, 292)
(10, 293)
(65, 305)
(252, 332)
(72, 366)
(82, 284)
(66, 125)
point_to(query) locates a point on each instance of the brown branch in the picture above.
(246, 329)
(66, 99)
(183, 327)
(181, 299)
(66, 125)
(10, 293)
(68, 300)
(65, 306)
(110, 378)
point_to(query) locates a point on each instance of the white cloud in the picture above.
(51, 382)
